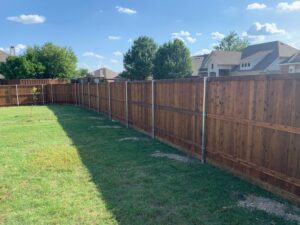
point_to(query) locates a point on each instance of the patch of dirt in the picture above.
(270, 206)
(133, 139)
(176, 157)
(106, 126)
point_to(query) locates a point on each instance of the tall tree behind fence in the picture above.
(252, 123)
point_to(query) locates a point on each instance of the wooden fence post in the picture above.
(17, 94)
(78, 94)
(51, 92)
(89, 93)
(43, 94)
(126, 103)
(98, 104)
(82, 99)
(203, 139)
(75, 94)
(153, 109)
(109, 101)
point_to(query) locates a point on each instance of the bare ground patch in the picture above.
(172, 156)
(133, 139)
(270, 206)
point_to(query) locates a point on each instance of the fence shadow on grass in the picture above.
(140, 189)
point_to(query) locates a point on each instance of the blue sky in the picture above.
(100, 31)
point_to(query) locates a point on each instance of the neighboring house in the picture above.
(263, 58)
(197, 62)
(3, 56)
(219, 63)
(291, 65)
(99, 75)
(266, 58)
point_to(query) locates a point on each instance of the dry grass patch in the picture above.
(176, 157)
(56, 158)
(133, 139)
(270, 206)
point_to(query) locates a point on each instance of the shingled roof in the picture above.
(197, 62)
(293, 59)
(270, 52)
(3, 56)
(226, 57)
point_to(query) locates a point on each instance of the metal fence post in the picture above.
(43, 94)
(153, 109)
(51, 92)
(126, 103)
(203, 138)
(89, 93)
(109, 101)
(98, 104)
(17, 94)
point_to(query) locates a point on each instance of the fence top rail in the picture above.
(295, 76)
(25, 85)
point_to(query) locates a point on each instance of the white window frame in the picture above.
(292, 69)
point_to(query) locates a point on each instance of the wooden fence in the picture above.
(33, 81)
(252, 123)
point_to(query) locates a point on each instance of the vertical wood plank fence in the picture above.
(252, 123)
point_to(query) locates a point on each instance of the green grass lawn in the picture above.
(63, 165)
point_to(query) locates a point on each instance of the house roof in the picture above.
(104, 73)
(226, 57)
(293, 59)
(197, 62)
(3, 56)
(270, 52)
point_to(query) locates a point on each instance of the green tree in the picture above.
(125, 74)
(47, 61)
(172, 60)
(138, 60)
(81, 72)
(59, 62)
(19, 68)
(232, 42)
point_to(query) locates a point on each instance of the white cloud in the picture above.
(92, 54)
(265, 29)
(27, 19)
(4, 49)
(217, 35)
(256, 6)
(130, 40)
(191, 40)
(285, 6)
(19, 48)
(203, 51)
(114, 61)
(126, 10)
(254, 39)
(118, 53)
(114, 38)
(185, 36)
(199, 34)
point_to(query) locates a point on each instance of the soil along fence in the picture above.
(252, 124)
